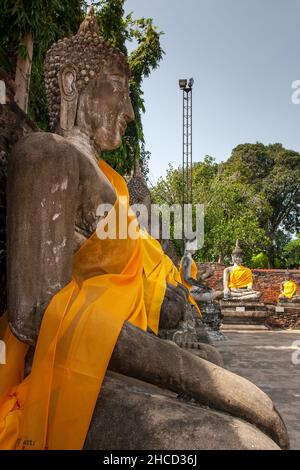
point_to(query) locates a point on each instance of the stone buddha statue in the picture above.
(288, 290)
(189, 273)
(238, 279)
(55, 186)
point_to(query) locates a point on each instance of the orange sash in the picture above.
(240, 277)
(193, 275)
(289, 289)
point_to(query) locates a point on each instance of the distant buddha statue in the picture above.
(288, 290)
(238, 279)
(191, 280)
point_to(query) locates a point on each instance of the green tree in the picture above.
(274, 172)
(168, 190)
(291, 253)
(232, 209)
(259, 261)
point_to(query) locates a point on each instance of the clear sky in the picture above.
(243, 55)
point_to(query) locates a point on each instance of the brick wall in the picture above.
(267, 281)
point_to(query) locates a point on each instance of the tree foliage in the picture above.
(232, 209)
(274, 173)
(291, 253)
(253, 197)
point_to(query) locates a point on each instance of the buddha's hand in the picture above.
(226, 292)
(174, 306)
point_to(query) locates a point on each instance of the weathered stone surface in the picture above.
(134, 415)
(14, 124)
(266, 358)
(250, 313)
(169, 249)
(284, 315)
(146, 357)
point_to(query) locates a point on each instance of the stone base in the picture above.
(212, 319)
(211, 314)
(247, 313)
(229, 328)
(285, 315)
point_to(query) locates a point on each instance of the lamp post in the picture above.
(187, 145)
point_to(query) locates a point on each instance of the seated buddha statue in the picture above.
(191, 280)
(288, 290)
(238, 279)
(80, 321)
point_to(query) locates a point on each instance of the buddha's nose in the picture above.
(129, 113)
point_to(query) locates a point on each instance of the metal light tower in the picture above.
(187, 145)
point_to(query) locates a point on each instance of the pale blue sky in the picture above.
(244, 56)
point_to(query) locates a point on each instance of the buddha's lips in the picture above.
(123, 125)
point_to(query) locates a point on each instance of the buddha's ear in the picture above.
(68, 96)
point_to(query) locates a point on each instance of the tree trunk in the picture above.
(23, 72)
(271, 257)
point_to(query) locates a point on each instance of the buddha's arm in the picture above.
(226, 278)
(138, 354)
(207, 274)
(42, 199)
(186, 268)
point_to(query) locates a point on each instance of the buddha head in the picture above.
(87, 83)
(190, 246)
(237, 254)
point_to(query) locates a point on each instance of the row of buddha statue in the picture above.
(237, 281)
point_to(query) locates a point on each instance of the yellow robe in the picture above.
(289, 289)
(193, 275)
(240, 277)
(113, 281)
(158, 270)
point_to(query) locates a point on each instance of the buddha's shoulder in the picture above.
(39, 145)
(246, 268)
(228, 269)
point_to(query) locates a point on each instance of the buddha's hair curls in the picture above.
(88, 52)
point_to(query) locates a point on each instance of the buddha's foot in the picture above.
(238, 295)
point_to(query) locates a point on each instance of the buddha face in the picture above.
(191, 247)
(104, 109)
(237, 259)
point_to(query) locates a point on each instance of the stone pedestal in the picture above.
(285, 315)
(244, 313)
(212, 319)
